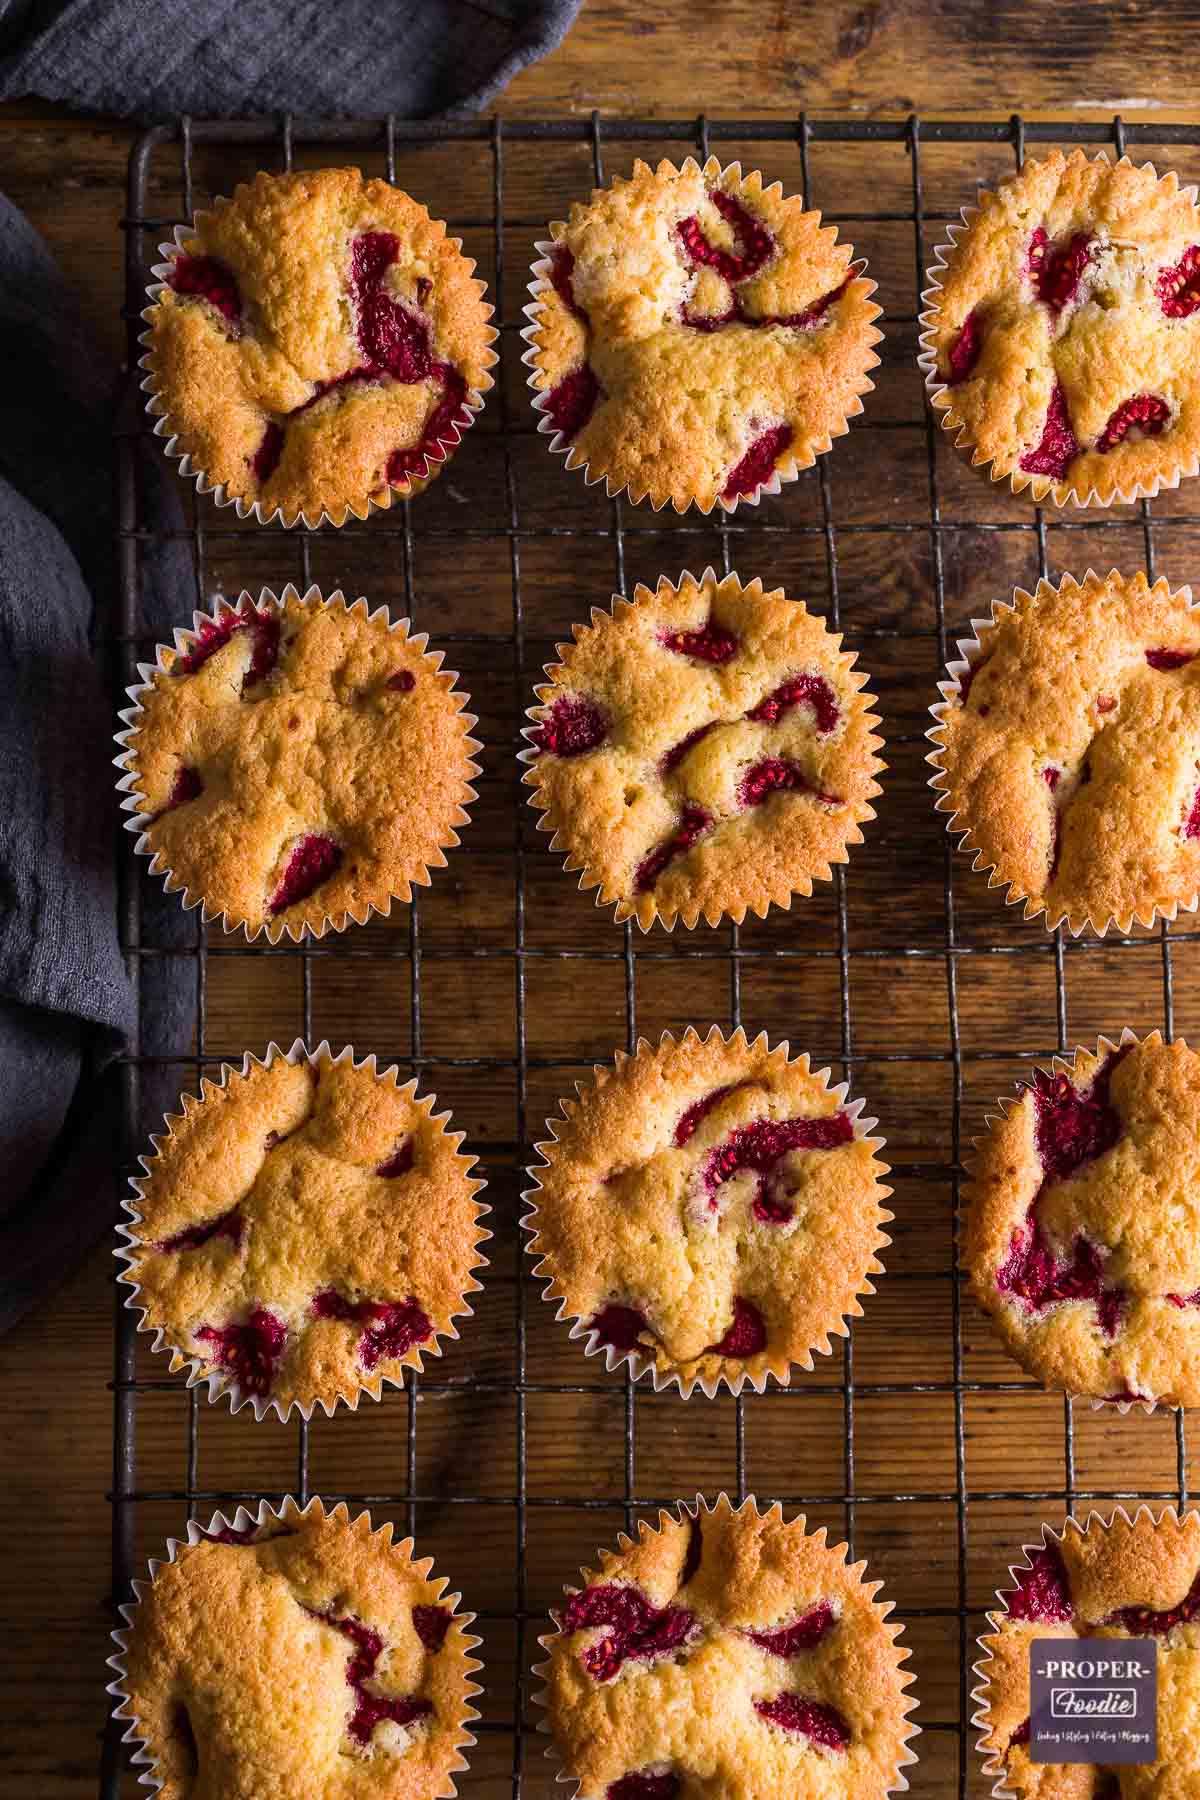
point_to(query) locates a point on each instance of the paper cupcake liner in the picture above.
(156, 407)
(186, 638)
(638, 1361)
(691, 1509)
(1043, 487)
(993, 1761)
(561, 445)
(218, 1380)
(783, 895)
(969, 656)
(1063, 1064)
(262, 1516)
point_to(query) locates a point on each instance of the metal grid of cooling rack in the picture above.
(274, 142)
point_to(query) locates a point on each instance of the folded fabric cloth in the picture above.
(222, 59)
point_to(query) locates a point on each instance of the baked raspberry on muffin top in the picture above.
(710, 1207)
(706, 749)
(1069, 750)
(1083, 1224)
(319, 344)
(1062, 340)
(297, 762)
(696, 333)
(304, 1656)
(305, 1229)
(1126, 1578)
(727, 1653)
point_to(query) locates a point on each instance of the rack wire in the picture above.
(963, 936)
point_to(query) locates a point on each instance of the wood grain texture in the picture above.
(667, 60)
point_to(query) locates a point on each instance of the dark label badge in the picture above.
(1093, 1700)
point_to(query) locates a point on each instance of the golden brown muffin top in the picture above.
(694, 333)
(300, 761)
(1069, 753)
(1083, 1224)
(1063, 338)
(727, 1656)
(711, 1207)
(306, 1230)
(305, 1658)
(319, 343)
(705, 749)
(1135, 1578)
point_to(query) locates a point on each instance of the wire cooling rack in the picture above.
(514, 1458)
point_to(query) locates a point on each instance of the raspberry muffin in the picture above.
(706, 748)
(306, 1231)
(727, 1653)
(317, 345)
(300, 1654)
(1062, 340)
(1115, 1579)
(1083, 1224)
(296, 763)
(1069, 750)
(709, 1211)
(696, 336)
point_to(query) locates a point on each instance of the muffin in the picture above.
(1067, 750)
(1082, 1231)
(1114, 1579)
(296, 763)
(706, 748)
(317, 345)
(724, 1653)
(1061, 331)
(304, 1232)
(709, 1211)
(696, 336)
(297, 1653)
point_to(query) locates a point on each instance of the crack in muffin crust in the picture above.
(318, 345)
(298, 1654)
(710, 1209)
(298, 763)
(705, 749)
(1068, 750)
(696, 335)
(287, 1249)
(726, 1652)
(1060, 330)
(1082, 1234)
(1115, 1579)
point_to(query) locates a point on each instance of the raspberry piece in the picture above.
(756, 246)
(265, 460)
(250, 1351)
(714, 321)
(1073, 1127)
(449, 417)
(812, 315)
(700, 1109)
(619, 1326)
(228, 1225)
(431, 1623)
(1178, 289)
(1057, 272)
(711, 643)
(1165, 660)
(677, 752)
(761, 1146)
(635, 1629)
(1139, 1621)
(774, 775)
(1144, 412)
(399, 1162)
(392, 1327)
(794, 1712)
(1192, 1299)
(758, 464)
(186, 786)
(370, 1709)
(692, 827)
(262, 624)
(805, 1634)
(572, 727)
(206, 278)
(1043, 1593)
(1058, 446)
(967, 681)
(964, 351)
(392, 338)
(642, 1785)
(799, 690)
(402, 682)
(314, 859)
(228, 1534)
(746, 1336)
(1022, 1734)
(571, 404)
(1191, 824)
(562, 267)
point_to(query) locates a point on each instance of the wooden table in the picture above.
(769, 60)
